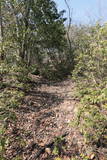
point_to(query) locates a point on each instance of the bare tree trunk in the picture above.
(69, 21)
(70, 56)
(19, 49)
(2, 56)
(23, 48)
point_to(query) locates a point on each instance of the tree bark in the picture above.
(2, 56)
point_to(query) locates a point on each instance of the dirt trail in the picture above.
(46, 113)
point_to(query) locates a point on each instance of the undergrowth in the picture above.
(13, 86)
(90, 75)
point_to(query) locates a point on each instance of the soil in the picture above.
(44, 123)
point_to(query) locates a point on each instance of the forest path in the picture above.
(46, 113)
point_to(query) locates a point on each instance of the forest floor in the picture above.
(43, 123)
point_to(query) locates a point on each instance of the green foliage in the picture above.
(34, 31)
(58, 145)
(13, 86)
(91, 76)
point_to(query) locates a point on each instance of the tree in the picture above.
(1, 33)
(49, 28)
(34, 30)
(36, 22)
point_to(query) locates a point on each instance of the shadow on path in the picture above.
(37, 101)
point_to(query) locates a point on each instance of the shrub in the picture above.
(90, 74)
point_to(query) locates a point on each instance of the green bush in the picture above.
(14, 82)
(90, 74)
